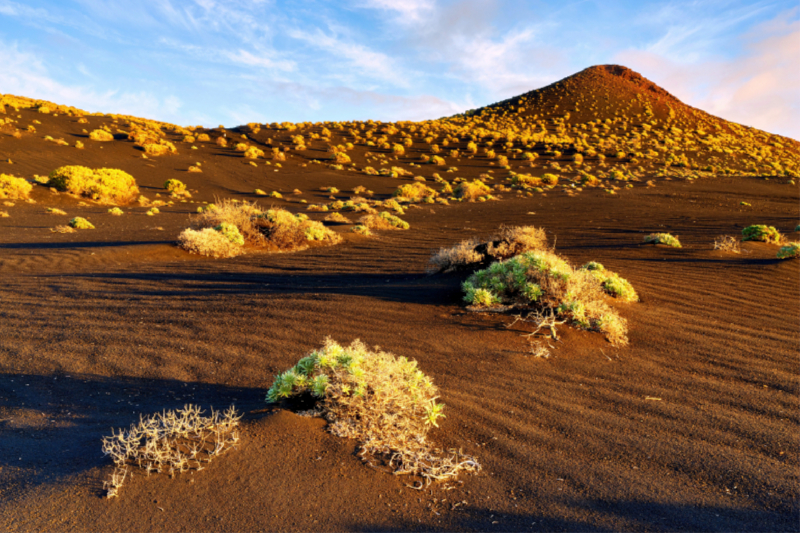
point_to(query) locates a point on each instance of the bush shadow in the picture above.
(51, 426)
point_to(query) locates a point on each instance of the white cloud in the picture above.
(759, 88)
(25, 75)
(406, 11)
(263, 61)
(371, 64)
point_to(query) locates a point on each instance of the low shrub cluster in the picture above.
(13, 188)
(473, 253)
(105, 185)
(541, 281)
(223, 228)
(384, 402)
(761, 232)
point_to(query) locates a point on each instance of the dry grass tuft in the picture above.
(727, 243)
(63, 229)
(208, 242)
(338, 217)
(472, 253)
(171, 442)
(384, 402)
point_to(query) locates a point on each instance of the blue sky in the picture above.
(214, 62)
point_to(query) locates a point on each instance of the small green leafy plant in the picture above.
(789, 251)
(761, 232)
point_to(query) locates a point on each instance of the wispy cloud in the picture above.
(405, 11)
(345, 55)
(758, 89)
(26, 75)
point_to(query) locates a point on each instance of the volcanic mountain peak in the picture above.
(626, 75)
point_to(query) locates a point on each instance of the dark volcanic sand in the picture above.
(99, 326)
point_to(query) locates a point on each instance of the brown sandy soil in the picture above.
(98, 327)
(691, 427)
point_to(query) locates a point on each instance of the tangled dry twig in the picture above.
(170, 442)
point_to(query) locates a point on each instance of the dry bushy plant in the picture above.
(13, 188)
(472, 253)
(384, 402)
(208, 242)
(171, 442)
(727, 243)
(542, 281)
(275, 228)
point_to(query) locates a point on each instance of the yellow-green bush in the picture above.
(544, 282)
(415, 191)
(101, 135)
(13, 188)
(106, 185)
(175, 187)
(383, 220)
(384, 402)
(80, 223)
(471, 190)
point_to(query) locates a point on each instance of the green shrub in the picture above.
(80, 223)
(789, 251)
(760, 232)
(612, 283)
(230, 232)
(542, 281)
(663, 238)
(384, 402)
